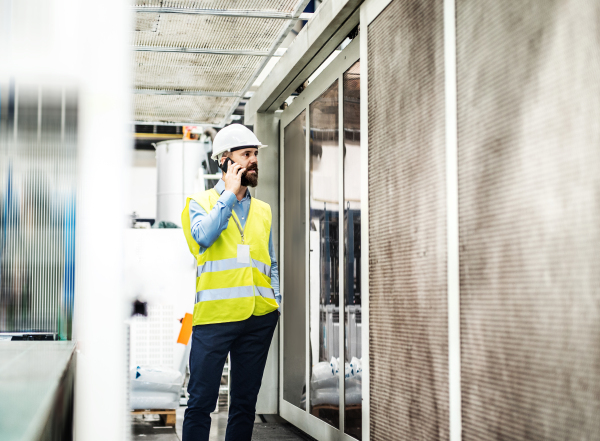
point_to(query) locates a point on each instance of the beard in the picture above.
(250, 180)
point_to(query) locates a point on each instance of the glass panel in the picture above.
(352, 216)
(38, 182)
(323, 258)
(294, 289)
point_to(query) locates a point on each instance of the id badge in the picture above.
(243, 253)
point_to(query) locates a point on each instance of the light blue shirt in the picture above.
(206, 227)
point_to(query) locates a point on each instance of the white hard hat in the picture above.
(232, 136)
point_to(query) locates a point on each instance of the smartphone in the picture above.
(225, 164)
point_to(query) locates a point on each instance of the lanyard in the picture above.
(237, 224)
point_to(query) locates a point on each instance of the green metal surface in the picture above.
(30, 373)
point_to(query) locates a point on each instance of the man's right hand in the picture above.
(233, 177)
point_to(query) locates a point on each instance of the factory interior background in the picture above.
(433, 170)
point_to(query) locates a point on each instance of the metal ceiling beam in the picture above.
(226, 13)
(188, 93)
(278, 52)
(158, 135)
(163, 123)
(201, 51)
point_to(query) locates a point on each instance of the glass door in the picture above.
(324, 274)
(293, 272)
(321, 269)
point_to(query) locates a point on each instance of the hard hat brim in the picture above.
(261, 146)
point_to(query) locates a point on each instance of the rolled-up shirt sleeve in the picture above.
(206, 227)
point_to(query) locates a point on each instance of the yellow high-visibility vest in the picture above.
(226, 290)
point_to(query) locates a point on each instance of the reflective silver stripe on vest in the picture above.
(262, 267)
(229, 264)
(233, 293)
(220, 265)
(265, 292)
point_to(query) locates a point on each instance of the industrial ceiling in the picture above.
(195, 60)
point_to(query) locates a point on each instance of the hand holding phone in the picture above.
(232, 175)
(225, 165)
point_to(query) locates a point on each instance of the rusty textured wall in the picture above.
(407, 223)
(529, 204)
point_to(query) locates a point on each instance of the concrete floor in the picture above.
(149, 428)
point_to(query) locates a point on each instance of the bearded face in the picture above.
(250, 176)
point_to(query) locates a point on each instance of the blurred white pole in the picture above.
(87, 47)
(104, 35)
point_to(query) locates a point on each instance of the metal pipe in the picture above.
(203, 51)
(219, 12)
(227, 13)
(305, 16)
(162, 123)
(187, 92)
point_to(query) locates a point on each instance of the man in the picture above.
(237, 288)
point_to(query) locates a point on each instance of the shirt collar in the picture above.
(220, 187)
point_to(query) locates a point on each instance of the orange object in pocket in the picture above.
(186, 329)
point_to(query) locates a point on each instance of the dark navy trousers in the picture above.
(248, 342)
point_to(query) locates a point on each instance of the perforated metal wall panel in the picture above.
(407, 224)
(193, 72)
(175, 108)
(529, 192)
(193, 31)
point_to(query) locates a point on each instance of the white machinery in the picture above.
(180, 173)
